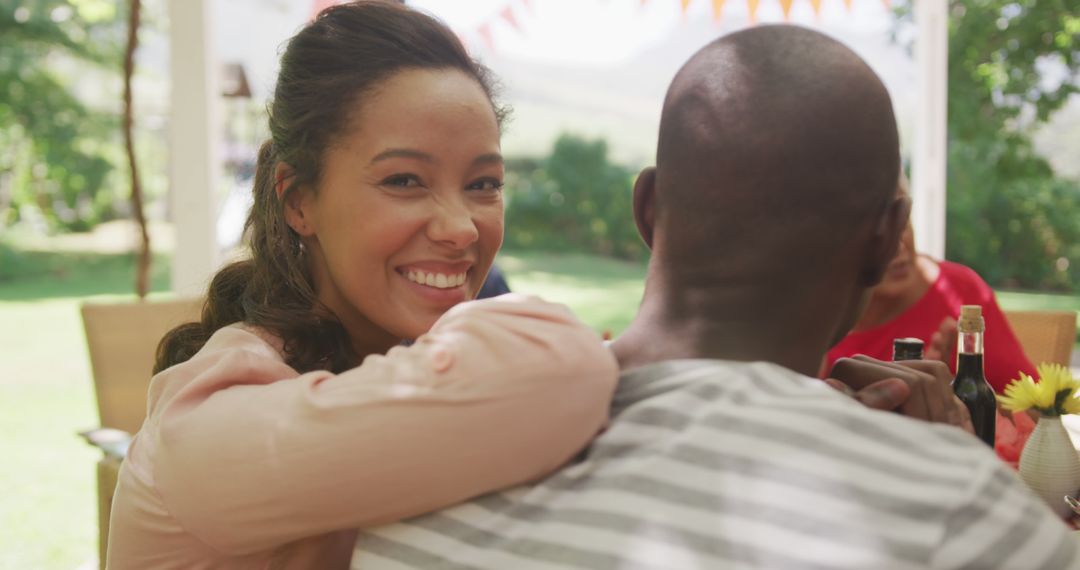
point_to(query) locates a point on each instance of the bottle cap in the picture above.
(971, 319)
(907, 349)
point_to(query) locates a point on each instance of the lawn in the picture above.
(48, 510)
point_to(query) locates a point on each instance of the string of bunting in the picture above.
(508, 15)
(509, 12)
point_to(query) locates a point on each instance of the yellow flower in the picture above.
(1054, 394)
(1023, 393)
(1072, 404)
(1056, 377)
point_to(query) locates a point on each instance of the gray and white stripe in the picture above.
(711, 464)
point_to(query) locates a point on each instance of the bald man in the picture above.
(770, 212)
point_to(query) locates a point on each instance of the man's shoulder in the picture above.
(799, 412)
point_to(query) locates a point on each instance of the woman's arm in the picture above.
(498, 393)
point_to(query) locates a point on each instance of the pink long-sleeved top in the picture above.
(244, 463)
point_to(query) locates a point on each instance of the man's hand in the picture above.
(943, 341)
(929, 396)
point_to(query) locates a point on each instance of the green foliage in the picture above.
(575, 199)
(1012, 63)
(58, 159)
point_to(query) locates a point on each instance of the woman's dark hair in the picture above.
(335, 60)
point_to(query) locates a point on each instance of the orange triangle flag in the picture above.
(685, 5)
(753, 6)
(848, 4)
(717, 10)
(817, 7)
(786, 6)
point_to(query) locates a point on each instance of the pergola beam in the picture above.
(194, 134)
(929, 153)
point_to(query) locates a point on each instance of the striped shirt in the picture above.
(715, 464)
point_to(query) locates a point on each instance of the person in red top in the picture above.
(920, 297)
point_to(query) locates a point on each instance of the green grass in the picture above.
(604, 293)
(48, 507)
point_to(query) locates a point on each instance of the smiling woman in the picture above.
(426, 174)
(289, 415)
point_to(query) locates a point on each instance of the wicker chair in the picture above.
(1045, 336)
(122, 339)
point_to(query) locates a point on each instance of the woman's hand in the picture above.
(943, 341)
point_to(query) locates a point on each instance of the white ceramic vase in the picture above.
(1049, 464)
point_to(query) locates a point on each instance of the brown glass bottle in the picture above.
(970, 383)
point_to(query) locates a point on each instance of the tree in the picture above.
(575, 199)
(142, 267)
(56, 146)
(1012, 64)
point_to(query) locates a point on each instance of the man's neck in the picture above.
(721, 324)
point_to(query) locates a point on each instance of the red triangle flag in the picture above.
(318, 6)
(508, 15)
(485, 34)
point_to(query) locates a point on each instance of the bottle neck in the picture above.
(970, 342)
(969, 355)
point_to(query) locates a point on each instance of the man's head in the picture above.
(776, 173)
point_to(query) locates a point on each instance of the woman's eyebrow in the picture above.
(403, 153)
(491, 158)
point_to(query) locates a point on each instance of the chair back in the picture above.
(122, 339)
(1045, 336)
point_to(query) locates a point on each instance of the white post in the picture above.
(194, 132)
(929, 152)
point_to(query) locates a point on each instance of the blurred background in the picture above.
(585, 78)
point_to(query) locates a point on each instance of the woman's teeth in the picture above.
(437, 280)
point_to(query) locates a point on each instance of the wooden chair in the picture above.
(122, 339)
(1045, 336)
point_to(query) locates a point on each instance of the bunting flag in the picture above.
(752, 5)
(507, 15)
(485, 34)
(785, 5)
(318, 6)
(717, 10)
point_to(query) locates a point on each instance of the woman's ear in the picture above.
(886, 239)
(299, 213)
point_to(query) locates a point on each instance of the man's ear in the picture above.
(886, 239)
(297, 203)
(645, 204)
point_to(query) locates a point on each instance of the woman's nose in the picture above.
(452, 224)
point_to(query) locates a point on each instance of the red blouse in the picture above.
(956, 285)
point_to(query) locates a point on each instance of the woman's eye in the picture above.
(402, 181)
(486, 184)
